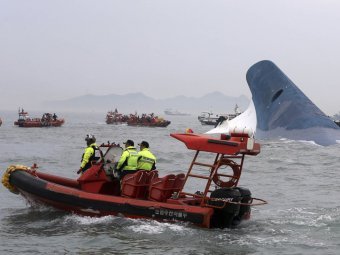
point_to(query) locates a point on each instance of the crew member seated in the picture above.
(127, 164)
(146, 160)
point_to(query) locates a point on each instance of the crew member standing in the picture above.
(127, 164)
(146, 160)
(89, 153)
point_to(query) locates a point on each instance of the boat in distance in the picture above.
(219, 202)
(175, 112)
(114, 117)
(144, 120)
(147, 120)
(47, 120)
(208, 118)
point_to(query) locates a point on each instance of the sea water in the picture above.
(299, 179)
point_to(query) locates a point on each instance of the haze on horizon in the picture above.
(56, 50)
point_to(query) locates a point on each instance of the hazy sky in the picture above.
(51, 50)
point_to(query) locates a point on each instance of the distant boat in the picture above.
(147, 120)
(0, 122)
(175, 112)
(47, 120)
(208, 118)
(113, 117)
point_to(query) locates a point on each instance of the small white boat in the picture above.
(208, 118)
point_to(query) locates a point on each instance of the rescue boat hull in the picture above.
(38, 123)
(74, 200)
(144, 194)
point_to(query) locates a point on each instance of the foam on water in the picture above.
(86, 220)
(309, 142)
(154, 227)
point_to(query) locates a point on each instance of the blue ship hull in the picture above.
(282, 109)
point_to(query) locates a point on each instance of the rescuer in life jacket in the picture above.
(127, 164)
(146, 160)
(89, 153)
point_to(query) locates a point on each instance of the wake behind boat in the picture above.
(218, 202)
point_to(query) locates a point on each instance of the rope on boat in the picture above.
(7, 174)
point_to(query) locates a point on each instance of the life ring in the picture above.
(232, 182)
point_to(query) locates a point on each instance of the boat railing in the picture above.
(213, 176)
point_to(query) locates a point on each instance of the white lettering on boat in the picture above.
(170, 213)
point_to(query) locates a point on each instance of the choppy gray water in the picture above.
(300, 180)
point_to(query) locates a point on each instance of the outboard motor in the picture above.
(245, 208)
(223, 217)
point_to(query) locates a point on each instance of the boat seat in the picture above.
(179, 182)
(161, 188)
(152, 175)
(136, 185)
(94, 180)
